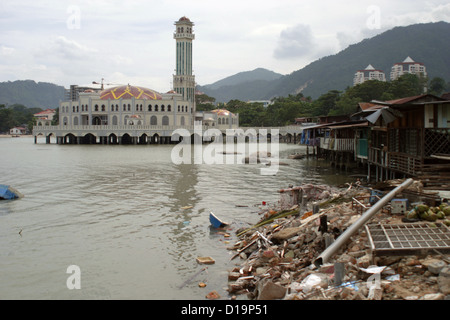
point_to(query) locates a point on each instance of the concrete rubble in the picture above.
(275, 258)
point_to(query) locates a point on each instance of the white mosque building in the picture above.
(135, 114)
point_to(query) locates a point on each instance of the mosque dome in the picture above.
(128, 92)
(184, 18)
(222, 112)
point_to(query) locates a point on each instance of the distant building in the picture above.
(218, 118)
(18, 131)
(265, 103)
(407, 66)
(369, 73)
(45, 118)
(73, 93)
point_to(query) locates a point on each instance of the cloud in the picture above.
(70, 49)
(6, 51)
(294, 42)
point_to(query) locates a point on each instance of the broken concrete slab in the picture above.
(270, 291)
(286, 234)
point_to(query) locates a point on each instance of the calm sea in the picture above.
(131, 220)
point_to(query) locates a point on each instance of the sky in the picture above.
(131, 42)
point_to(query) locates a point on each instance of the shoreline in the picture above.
(16, 136)
(276, 260)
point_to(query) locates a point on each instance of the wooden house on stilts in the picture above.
(408, 137)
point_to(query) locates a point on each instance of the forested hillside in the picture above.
(427, 43)
(31, 94)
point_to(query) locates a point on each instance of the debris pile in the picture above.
(277, 255)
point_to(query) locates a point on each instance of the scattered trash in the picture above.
(192, 278)
(9, 193)
(205, 260)
(216, 222)
(277, 255)
(213, 295)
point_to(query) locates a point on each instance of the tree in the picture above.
(368, 90)
(204, 102)
(325, 103)
(437, 86)
(16, 115)
(406, 86)
(346, 105)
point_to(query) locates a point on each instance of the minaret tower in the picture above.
(184, 80)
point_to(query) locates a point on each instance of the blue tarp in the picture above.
(7, 193)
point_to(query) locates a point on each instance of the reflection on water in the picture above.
(133, 221)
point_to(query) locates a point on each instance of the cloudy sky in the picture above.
(77, 42)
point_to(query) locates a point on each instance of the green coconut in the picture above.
(422, 208)
(446, 211)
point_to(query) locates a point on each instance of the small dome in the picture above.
(184, 19)
(128, 92)
(222, 112)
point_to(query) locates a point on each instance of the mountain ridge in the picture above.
(426, 43)
(31, 94)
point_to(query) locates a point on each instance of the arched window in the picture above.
(156, 107)
(169, 108)
(165, 121)
(124, 107)
(126, 120)
(219, 121)
(129, 107)
(114, 120)
(149, 107)
(153, 121)
(73, 109)
(117, 107)
(96, 107)
(178, 108)
(75, 121)
(182, 108)
(103, 107)
(162, 108)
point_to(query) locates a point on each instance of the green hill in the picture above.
(427, 43)
(31, 94)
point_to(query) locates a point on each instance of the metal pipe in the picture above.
(325, 255)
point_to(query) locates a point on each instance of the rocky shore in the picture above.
(275, 258)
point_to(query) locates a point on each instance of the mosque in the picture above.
(131, 114)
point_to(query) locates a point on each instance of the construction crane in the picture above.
(108, 84)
